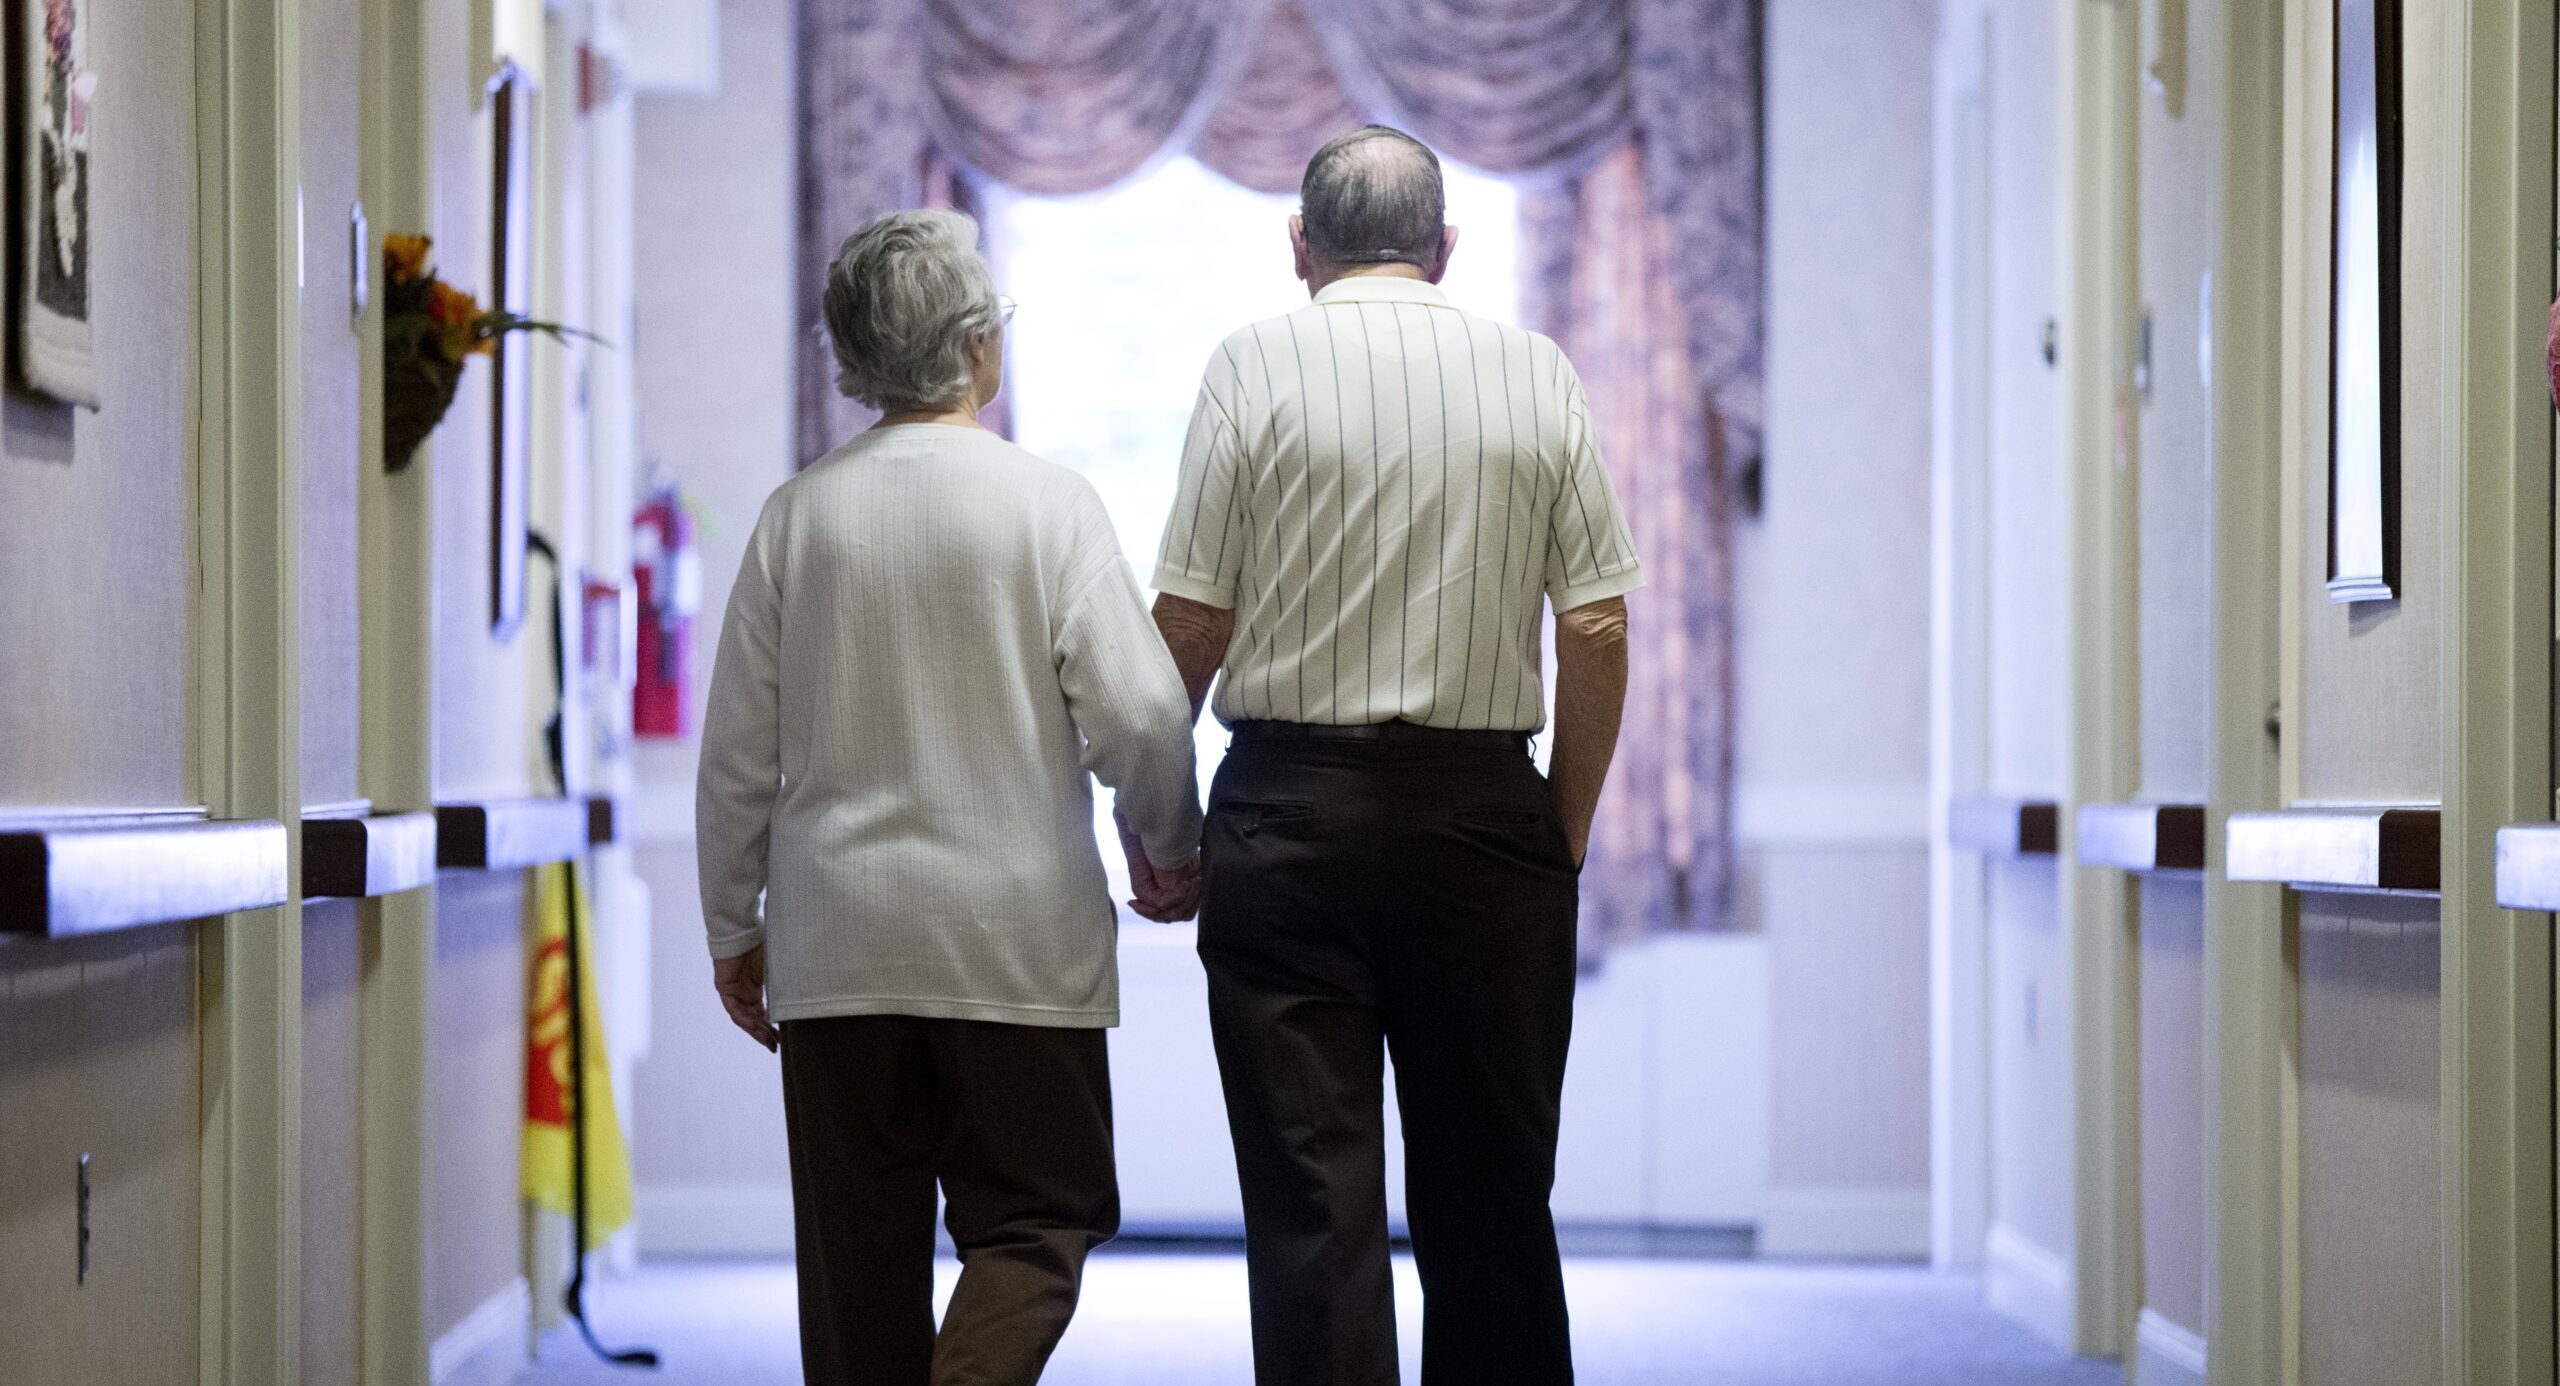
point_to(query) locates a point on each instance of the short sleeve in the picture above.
(1591, 556)
(1204, 541)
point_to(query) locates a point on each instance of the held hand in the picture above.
(1165, 896)
(740, 982)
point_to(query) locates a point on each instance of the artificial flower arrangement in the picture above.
(430, 329)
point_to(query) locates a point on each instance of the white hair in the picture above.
(904, 299)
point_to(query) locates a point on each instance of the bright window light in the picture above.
(1126, 293)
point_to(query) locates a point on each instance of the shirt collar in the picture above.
(1382, 288)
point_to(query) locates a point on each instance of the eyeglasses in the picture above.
(1005, 308)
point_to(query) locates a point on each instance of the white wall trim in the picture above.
(488, 1348)
(2029, 1283)
(1846, 1224)
(2165, 1354)
(714, 1219)
(1832, 815)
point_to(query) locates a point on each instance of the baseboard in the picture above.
(713, 1219)
(490, 1346)
(2165, 1354)
(1846, 1224)
(2028, 1283)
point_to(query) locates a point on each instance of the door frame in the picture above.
(2497, 125)
(2099, 285)
(248, 650)
(2251, 994)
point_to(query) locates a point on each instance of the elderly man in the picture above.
(933, 640)
(1379, 495)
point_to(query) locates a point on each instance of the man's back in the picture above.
(1382, 488)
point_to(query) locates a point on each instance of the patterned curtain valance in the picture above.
(1536, 87)
(1066, 96)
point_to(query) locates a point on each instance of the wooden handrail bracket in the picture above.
(2529, 866)
(2142, 837)
(2364, 848)
(2004, 827)
(368, 854)
(510, 834)
(92, 878)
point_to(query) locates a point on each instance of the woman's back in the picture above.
(950, 638)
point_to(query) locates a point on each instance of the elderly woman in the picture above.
(933, 640)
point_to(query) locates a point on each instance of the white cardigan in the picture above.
(932, 641)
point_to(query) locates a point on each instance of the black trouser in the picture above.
(1015, 1123)
(1419, 894)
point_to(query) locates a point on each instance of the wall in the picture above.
(99, 1052)
(1832, 628)
(2026, 654)
(717, 320)
(2364, 725)
(2180, 135)
(484, 708)
(332, 134)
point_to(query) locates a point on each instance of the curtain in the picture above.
(1598, 258)
(1066, 96)
(1282, 111)
(1530, 86)
(1634, 124)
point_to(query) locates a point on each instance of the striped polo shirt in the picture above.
(1383, 487)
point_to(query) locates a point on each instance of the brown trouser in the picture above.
(1014, 1121)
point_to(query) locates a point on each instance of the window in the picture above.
(1127, 292)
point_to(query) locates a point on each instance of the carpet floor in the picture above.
(1165, 1319)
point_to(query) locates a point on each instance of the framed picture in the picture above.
(2364, 303)
(56, 92)
(510, 391)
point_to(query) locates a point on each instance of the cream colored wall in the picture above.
(2031, 1112)
(2031, 1193)
(331, 133)
(331, 403)
(332, 1105)
(475, 1093)
(101, 1057)
(2172, 1060)
(489, 697)
(717, 320)
(97, 518)
(486, 689)
(2371, 1176)
(2180, 173)
(2368, 728)
(1832, 604)
(98, 1045)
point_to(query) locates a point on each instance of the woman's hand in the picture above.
(740, 982)
(1167, 896)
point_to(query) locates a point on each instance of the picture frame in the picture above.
(55, 93)
(2364, 322)
(511, 108)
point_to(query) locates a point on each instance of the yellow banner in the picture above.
(548, 1097)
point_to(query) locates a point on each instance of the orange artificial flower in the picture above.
(457, 315)
(406, 256)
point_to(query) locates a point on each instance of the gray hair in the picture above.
(904, 298)
(1373, 197)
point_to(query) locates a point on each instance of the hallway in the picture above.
(1177, 1319)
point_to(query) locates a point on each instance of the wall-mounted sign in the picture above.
(2364, 307)
(55, 353)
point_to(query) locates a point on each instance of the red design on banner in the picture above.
(546, 1077)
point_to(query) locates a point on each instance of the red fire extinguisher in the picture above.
(668, 573)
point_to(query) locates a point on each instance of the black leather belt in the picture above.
(1381, 733)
